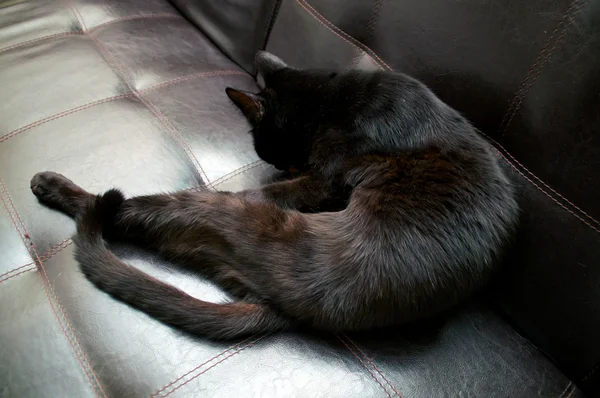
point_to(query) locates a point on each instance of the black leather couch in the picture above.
(130, 93)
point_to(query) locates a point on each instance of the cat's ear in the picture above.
(267, 63)
(250, 104)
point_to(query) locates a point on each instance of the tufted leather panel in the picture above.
(130, 94)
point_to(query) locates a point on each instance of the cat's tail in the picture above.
(158, 299)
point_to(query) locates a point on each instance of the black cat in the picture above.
(403, 211)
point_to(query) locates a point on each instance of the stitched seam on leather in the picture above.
(17, 274)
(508, 155)
(133, 17)
(252, 343)
(77, 14)
(81, 32)
(365, 366)
(61, 114)
(370, 26)
(199, 366)
(64, 34)
(45, 257)
(547, 194)
(177, 137)
(56, 249)
(536, 63)
(566, 390)
(537, 178)
(357, 43)
(230, 175)
(372, 364)
(193, 76)
(32, 250)
(237, 172)
(349, 39)
(94, 103)
(571, 393)
(16, 269)
(304, 5)
(544, 63)
(591, 372)
(172, 131)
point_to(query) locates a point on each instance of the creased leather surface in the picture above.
(131, 94)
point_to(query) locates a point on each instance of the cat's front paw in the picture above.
(56, 190)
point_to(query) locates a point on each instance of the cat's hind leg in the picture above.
(148, 224)
(158, 299)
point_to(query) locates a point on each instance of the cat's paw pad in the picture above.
(51, 187)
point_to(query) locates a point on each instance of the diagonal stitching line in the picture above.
(334, 29)
(172, 131)
(17, 274)
(102, 101)
(63, 34)
(252, 343)
(238, 171)
(16, 269)
(370, 26)
(591, 372)
(32, 250)
(543, 64)
(195, 75)
(366, 367)
(573, 389)
(79, 32)
(508, 157)
(562, 394)
(133, 17)
(45, 257)
(372, 364)
(77, 14)
(230, 175)
(61, 114)
(360, 50)
(199, 366)
(537, 61)
(177, 136)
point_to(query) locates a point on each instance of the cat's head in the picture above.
(283, 113)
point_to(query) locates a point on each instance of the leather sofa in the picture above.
(130, 93)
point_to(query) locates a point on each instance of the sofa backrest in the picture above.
(526, 73)
(238, 27)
